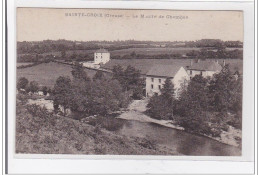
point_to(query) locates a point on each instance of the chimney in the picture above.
(224, 62)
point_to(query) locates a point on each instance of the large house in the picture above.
(206, 68)
(157, 75)
(101, 56)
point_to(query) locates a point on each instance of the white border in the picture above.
(136, 164)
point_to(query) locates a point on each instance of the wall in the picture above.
(181, 78)
(155, 84)
(204, 73)
(101, 58)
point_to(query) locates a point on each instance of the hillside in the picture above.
(47, 133)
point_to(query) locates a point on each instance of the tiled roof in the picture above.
(164, 70)
(207, 65)
(102, 51)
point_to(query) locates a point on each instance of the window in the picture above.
(152, 79)
(190, 72)
(159, 87)
(159, 80)
(152, 86)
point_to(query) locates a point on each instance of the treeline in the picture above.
(216, 54)
(216, 43)
(204, 106)
(193, 54)
(46, 46)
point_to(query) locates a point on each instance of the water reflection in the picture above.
(185, 143)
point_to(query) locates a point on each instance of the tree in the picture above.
(168, 88)
(118, 74)
(44, 90)
(22, 83)
(62, 93)
(98, 75)
(193, 105)
(162, 106)
(78, 72)
(32, 87)
(130, 80)
(221, 90)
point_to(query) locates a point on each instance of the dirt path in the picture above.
(136, 112)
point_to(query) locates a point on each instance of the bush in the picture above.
(44, 90)
(32, 87)
(22, 83)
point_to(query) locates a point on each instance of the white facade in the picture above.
(203, 73)
(156, 82)
(101, 57)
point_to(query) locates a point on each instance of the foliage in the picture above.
(61, 92)
(32, 87)
(95, 97)
(98, 76)
(22, 83)
(44, 90)
(78, 72)
(130, 80)
(162, 106)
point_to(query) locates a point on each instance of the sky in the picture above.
(37, 24)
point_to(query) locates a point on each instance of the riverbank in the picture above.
(136, 111)
(46, 133)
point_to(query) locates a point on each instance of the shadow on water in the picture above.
(185, 143)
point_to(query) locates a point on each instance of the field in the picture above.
(47, 73)
(22, 64)
(145, 64)
(152, 51)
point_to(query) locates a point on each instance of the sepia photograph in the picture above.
(129, 82)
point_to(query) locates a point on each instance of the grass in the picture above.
(23, 64)
(47, 73)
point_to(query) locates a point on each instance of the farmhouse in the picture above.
(157, 75)
(206, 68)
(101, 56)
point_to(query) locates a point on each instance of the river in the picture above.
(185, 143)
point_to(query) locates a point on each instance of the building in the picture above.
(206, 68)
(157, 75)
(101, 56)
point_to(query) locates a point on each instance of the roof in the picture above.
(145, 64)
(164, 70)
(102, 51)
(207, 65)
